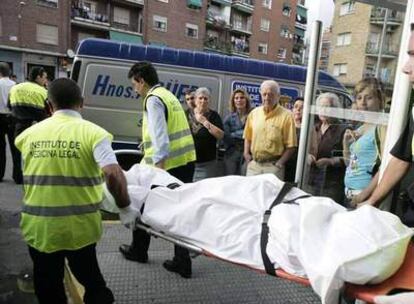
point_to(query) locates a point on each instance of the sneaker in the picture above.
(131, 255)
(174, 266)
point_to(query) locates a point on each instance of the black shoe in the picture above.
(131, 255)
(173, 266)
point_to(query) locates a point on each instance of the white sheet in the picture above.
(317, 237)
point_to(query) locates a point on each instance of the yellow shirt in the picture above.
(270, 133)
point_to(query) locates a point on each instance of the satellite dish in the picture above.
(70, 53)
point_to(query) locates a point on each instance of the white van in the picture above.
(101, 67)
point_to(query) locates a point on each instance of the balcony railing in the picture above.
(243, 27)
(240, 46)
(246, 6)
(217, 45)
(378, 16)
(216, 19)
(387, 51)
(81, 13)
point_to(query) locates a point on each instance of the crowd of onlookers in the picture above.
(343, 156)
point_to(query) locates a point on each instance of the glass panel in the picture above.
(348, 123)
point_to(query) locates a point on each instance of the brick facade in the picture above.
(178, 14)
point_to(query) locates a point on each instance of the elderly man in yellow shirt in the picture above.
(269, 135)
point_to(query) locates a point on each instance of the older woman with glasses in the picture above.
(233, 131)
(207, 128)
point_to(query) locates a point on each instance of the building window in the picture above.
(340, 69)
(343, 39)
(47, 34)
(281, 53)
(284, 32)
(265, 24)
(159, 23)
(286, 10)
(262, 48)
(347, 8)
(121, 15)
(49, 3)
(191, 30)
(267, 4)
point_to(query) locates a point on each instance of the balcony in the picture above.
(213, 44)
(378, 17)
(240, 47)
(223, 2)
(218, 21)
(243, 28)
(372, 50)
(246, 6)
(85, 18)
(131, 2)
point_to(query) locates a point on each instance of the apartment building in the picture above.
(34, 33)
(325, 49)
(298, 51)
(121, 20)
(356, 42)
(46, 32)
(175, 23)
(262, 29)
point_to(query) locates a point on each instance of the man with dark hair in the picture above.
(64, 158)
(28, 105)
(168, 145)
(6, 121)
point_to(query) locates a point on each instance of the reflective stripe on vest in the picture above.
(48, 180)
(28, 94)
(61, 210)
(183, 150)
(181, 145)
(173, 136)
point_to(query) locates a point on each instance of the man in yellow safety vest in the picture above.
(65, 160)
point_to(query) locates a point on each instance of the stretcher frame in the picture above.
(402, 280)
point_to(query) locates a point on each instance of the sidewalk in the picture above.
(213, 281)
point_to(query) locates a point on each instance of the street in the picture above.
(213, 281)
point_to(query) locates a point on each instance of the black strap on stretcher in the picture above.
(269, 267)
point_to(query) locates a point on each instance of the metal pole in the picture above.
(310, 88)
(381, 45)
(400, 98)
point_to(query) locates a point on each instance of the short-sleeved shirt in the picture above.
(204, 142)
(402, 148)
(270, 133)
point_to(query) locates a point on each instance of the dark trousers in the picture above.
(48, 273)
(7, 130)
(19, 127)
(141, 239)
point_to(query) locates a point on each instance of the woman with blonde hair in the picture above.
(363, 146)
(234, 123)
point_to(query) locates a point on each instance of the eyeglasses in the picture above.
(189, 98)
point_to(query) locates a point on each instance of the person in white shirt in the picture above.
(6, 120)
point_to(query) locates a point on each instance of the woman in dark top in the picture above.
(233, 131)
(207, 128)
(327, 169)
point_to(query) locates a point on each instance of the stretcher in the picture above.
(160, 221)
(401, 281)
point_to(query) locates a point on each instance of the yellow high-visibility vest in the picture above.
(62, 183)
(181, 149)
